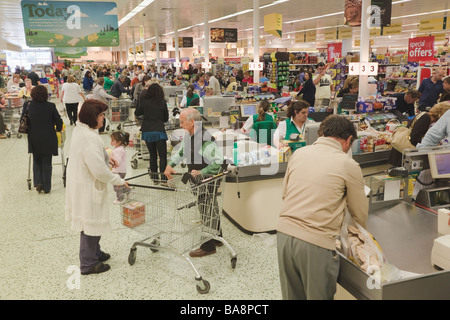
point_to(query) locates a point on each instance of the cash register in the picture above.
(435, 196)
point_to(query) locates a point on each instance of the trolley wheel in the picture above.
(29, 184)
(19, 135)
(134, 163)
(132, 256)
(155, 242)
(119, 127)
(233, 262)
(107, 128)
(204, 290)
(8, 134)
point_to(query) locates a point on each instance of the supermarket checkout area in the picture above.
(414, 236)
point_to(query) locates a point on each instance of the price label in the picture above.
(256, 66)
(206, 65)
(177, 64)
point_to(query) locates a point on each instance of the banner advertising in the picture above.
(184, 42)
(381, 11)
(420, 49)
(224, 35)
(334, 51)
(273, 24)
(70, 53)
(352, 13)
(70, 23)
(162, 46)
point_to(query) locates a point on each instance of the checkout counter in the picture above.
(412, 235)
(408, 234)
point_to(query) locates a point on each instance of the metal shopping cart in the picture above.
(119, 112)
(12, 113)
(61, 138)
(176, 215)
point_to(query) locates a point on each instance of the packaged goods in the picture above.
(133, 214)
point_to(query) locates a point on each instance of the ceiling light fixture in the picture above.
(135, 11)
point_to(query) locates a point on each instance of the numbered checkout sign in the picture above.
(363, 68)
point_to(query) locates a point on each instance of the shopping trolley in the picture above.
(118, 113)
(176, 215)
(61, 138)
(12, 114)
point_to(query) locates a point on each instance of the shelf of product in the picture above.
(277, 69)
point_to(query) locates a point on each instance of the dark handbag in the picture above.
(24, 125)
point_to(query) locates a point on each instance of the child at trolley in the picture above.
(120, 140)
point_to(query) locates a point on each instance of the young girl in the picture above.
(119, 140)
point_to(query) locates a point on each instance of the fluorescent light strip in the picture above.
(135, 11)
(421, 14)
(228, 16)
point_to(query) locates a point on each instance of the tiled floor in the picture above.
(38, 251)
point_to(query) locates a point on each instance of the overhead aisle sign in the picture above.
(70, 23)
(273, 24)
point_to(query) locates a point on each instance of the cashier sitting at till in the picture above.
(262, 115)
(295, 123)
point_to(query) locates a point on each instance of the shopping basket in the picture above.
(176, 215)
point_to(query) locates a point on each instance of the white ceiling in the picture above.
(163, 16)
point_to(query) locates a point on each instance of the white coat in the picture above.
(88, 176)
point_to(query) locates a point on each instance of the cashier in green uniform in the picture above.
(262, 115)
(295, 123)
(203, 156)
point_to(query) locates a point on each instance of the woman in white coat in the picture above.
(88, 176)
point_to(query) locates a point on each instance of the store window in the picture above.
(27, 58)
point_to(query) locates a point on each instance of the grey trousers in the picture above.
(307, 272)
(89, 251)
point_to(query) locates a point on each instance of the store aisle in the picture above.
(39, 252)
(38, 249)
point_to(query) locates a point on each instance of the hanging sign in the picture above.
(381, 11)
(432, 24)
(353, 12)
(70, 53)
(331, 35)
(345, 33)
(421, 48)
(393, 29)
(334, 51)
(273, 24)
(224, 35)
(70, 23)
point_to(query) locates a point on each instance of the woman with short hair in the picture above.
(70, 96)
(42, 139)
(88, 176)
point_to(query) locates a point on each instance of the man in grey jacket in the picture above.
(320, 184)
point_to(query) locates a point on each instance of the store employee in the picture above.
(405, 104)
(295, 123)
(262, 115)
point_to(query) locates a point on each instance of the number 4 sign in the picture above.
(363, 68)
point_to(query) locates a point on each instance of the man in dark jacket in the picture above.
(118, 87)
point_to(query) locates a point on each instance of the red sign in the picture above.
(334, 51)
(421, 48)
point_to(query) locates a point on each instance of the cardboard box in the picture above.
(133, 214)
